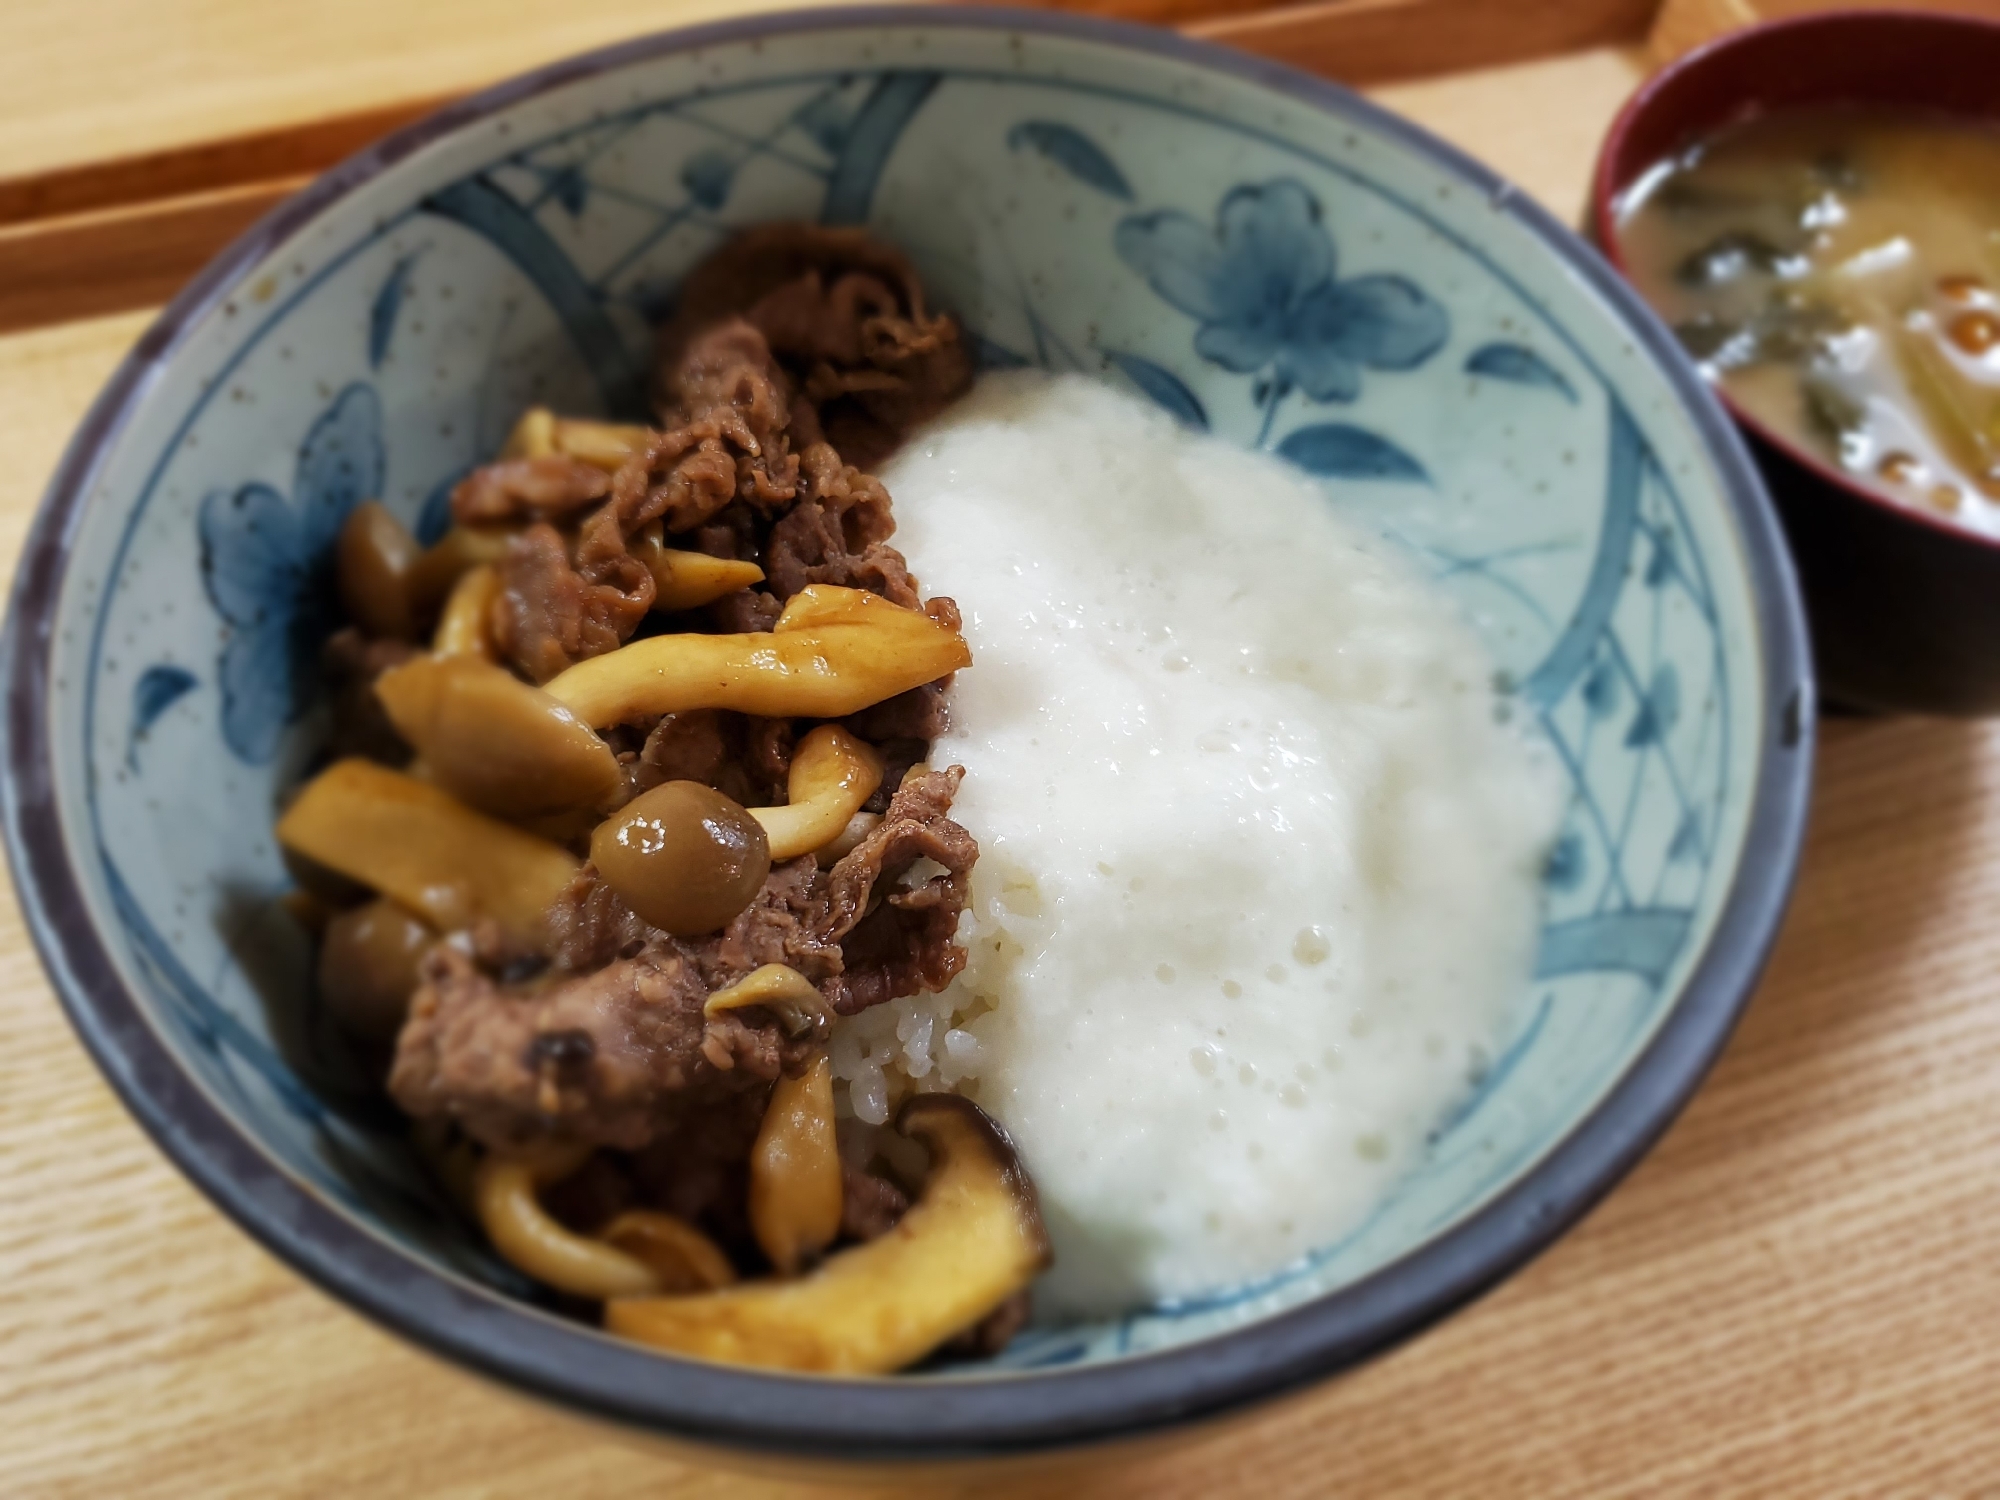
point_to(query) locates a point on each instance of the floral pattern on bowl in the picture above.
(1261, 284)
(1304, 277)
(267, 567)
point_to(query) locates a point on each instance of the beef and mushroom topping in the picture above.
(628, 805)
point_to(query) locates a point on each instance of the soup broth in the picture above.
(1837, 271)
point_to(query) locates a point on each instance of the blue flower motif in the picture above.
(267, 565)
(707, 175)
(158, 689)
(1563, 868)
(1262, 283)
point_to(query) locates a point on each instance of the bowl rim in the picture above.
(720, 1407)
(1606, 188)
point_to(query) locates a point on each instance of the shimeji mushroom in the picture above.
(602, 445)
(832, 774)
(368, 967)
(638, 1251)
(465, 628)
(688, 580)
(973, 1239)
(783, 991)
(795, 1171)
(373, 562)
(683, 856)
(416, 843)
(496, 742)
(833, 652)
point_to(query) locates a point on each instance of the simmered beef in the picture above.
(614, 1057)
(797, 359)
(907, 941)
(745, 612)
(742, 756)
(608, 1044)
(923, 713)
(590, 926)
(567, 598)
(688, 746)
(782, 926)
(550, 616)
(870, 1206)
(845, 316)
(528, 489)
(838, 533)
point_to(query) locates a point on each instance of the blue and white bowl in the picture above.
(1262, 254)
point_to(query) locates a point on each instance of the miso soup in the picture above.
(1837, 270)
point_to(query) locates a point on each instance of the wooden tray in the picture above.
(1797, 1293)
(162, 188)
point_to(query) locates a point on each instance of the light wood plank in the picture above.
(96, 80)
(1549, 151)
(88, 81)
(1358, 41)
(86, 265)
(1682, 25)
(109, 234)
(1375, 41)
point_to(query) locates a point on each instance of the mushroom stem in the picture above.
(971, 1241)
(495, 741)
(795, 1171)
(528, 1238)
(777, 988)
(462, 629)
(602, 445)
(418, 844)
(848, 839)
(679, 1255)
(534, 436)
(833, 652)
(832, 774)
(688, 580)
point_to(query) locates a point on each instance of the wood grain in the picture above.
(251, 159)
(1367, 41)
(83, 265)
(88, 81)
(1538, 124)
(1682, 25)
(84, 238)
(1375, 41)
(1796, 1294)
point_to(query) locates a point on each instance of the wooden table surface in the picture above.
(1797, 1293)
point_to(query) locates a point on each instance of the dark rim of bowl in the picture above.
(877, 1419)
(1608, 184)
